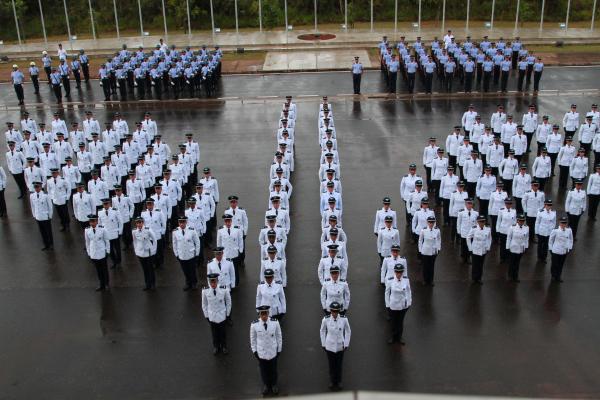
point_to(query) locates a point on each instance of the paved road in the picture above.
(331, 83)
(530, 339)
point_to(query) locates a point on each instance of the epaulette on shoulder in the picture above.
(273, 319)
(327, 316)
(390, 278)
(255, 321)
(223, 287)
(342, 280)
(327, 279)
(342, 316)
(228, 259)
(265, 258)
(324, 257)
(279, 258)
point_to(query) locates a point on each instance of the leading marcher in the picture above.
(266, 343)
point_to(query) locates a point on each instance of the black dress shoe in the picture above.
(20, 197)
(146, 289)
(224, 350)
(187, 288)
(275, 390)
(265, 390)
(215, 351)
(45, 248)
(99, 289)
(391, 341)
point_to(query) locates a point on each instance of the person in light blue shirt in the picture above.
(505, 66)
(485, 44)
(34, 73)
(393, 67)
(121, 75)
(479, 59)
(429, 68)
(175, 78)
(17, 78)
(501, 44)
(442, 60)
(497, 59)
(522, 65)
(538, 68)
(488, 67)
(56, 80)
(515, 47)
(357, 70)
(140, 81)
(76, 68)
(530, 62)
(435, 44)
(64, 70)
(469, 69)
(47, 64)
(85, 65)
(449, 69)
(104, 81)
(411, 72)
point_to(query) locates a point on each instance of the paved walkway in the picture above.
(313, 60)
(255, 40)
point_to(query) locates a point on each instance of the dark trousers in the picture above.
(237, 264)
(127, 238)
(513, 266)
(594, 199)
(529, 71)
(553, 157)
(335, 366)
(564, 176)
(48, 71)
(397, 323)
(46, 232)
(503, 250)
(57, 92)
(446, 211)
(453, 233)
(106, 89)
(189, 271)
(141, 87)
(123, 89)
(504, 82)
(19, 92)
(218, 335)
(479, 73)
(519, 205)
(529, 136)
(268, 372)
(574, 223)
(449, 78)
(558, 261)
(520, 80)
(2, 203)
(464, 249)
(486, 81)
(542, 182)
(20, 181)
(77, 76)
(452, 160)
(496, 74)
(86, 72)
(411, 82)
(393, 77)
(67, 85)
(477, 267)
(435, 185)
(536, 81)
(542, 247)
(63, 214)
(428, 82)
(159, 258)
(468, 81)
(36, 84)
(102, 271)
(471, 188)
(494, 219)
(147, 264)
(514, 59)
(428, 268)
(115, 251)
(483, 207)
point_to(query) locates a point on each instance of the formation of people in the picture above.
(477, 66)
(164, 71)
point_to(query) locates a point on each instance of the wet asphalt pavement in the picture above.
(332, 83)
(60, 339)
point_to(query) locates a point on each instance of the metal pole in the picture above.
(44, 24)
(542, 15)
(259, 16)
(68, 25)
(443, 15)
(316, 29)
(212, 17)
(235, 10)
(16, 22)
(165, 20)
(517, 15)
(396, 17)
(116, 19)
(568, 11)
(419, 16)
(593, 16)
(141, 23)
(346, 14)
(91, 19)
(371, 15)
(285, 14)
(468, 12)
(493, 10)
(187, 3)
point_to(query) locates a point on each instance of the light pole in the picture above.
(285, 14)
(443, 15)
(116, 19)
(468, 12)
(567, 18)
(419, 16)
(165, 20)
(542, 16)
(235, 11)
(316, 29)
(187, 3)
(493, 10)
(593, 16)
(91, 19)
(44, 25)
(68, 25)
(212, 18)
(259, 16)
(396, 18)
(517, 15)
(346, 15)
(16, 22)
(141, 23)
(371, 15)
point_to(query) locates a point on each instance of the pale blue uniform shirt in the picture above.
(516, 46)
(488, 66)
(530, 60)
(469, 66)
(47, 61)
(411, 67)
(393, 66)
(103, 73)
(17, 77)
(501, 45)
(538, 67)
(498, 58)
(429, 67)
(485, 45)
(450, 66)
(480, 58)
(357, 68)
(505, 65)
(522, 65)
(63, 69)
(34, 71)
(75, 65)
(83, 58)
(55, 78)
